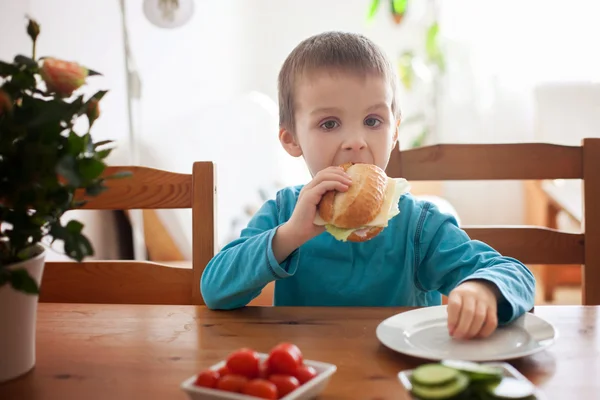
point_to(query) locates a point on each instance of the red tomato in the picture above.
(244, 362)
(223, 370)
(285, 384)
(207, 378)
(232, 383)
(285, 358)
(264, 370)
(305, 373)
(261, 388)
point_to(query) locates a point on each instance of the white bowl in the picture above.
(307, 391)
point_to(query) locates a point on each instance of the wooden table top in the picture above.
(145, 352)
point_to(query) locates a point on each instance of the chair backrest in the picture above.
(141, 282)
(522, 161)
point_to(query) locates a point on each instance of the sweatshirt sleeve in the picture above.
(449, 257)
(239, 272)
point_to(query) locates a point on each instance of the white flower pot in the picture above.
(18, 314)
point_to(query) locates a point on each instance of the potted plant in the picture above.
(46, 169)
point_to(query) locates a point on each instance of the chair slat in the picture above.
(115, 282)
(532, 245)
(518, 161)
(591, 223)
(147, 188)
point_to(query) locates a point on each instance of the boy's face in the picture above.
(342, 117)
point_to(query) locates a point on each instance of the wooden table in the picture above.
(144, 352)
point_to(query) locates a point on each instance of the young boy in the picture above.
(337, 102)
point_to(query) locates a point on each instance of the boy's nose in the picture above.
(355, 143)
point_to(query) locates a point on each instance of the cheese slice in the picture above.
(394, 190)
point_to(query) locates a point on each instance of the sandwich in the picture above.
(363, 211)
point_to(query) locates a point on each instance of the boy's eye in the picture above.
(331, 124)
(372, 122)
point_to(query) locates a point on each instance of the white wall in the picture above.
(196, 80)
(496, 60)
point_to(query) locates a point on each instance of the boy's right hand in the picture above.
(300, 227)
(302, 220)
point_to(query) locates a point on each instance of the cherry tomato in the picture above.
(261, 388)
(232, 383)
(285, 358)
(223, 371)
(244, 362)
(207, 378)
(305, 373)
(264, 370)
(285, 384)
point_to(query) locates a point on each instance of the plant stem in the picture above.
(33, 55)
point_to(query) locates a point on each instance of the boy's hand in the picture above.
(300, 227)
(302, 220)
(472, 310)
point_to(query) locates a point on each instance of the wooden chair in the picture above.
(140, 282)
(527, 161)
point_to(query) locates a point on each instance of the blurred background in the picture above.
(195, 80)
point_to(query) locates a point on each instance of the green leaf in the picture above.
(24, 80)
(406, 70)
(7, 69)
(23, 60)
(79, 203)
(78, 246)
(102, 154)
(120, 175)
(95, 189)
(399, 6)
(90, 168)
(74, 226)
(21, 280)
(432, 47)
(76, 144)
(103, 143)
(67, 168)
(99, 95)
(373, 9)
(91, 72)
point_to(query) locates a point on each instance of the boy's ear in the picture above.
(289, 142)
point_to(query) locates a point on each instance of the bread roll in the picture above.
(363, 211)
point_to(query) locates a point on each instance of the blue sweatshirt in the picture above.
(421, 254)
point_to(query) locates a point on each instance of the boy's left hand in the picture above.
(472, 310)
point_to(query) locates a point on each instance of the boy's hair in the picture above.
(332, 50)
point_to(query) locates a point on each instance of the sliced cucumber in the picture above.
(476, 372)
(445, 391)
(511, 388)
(433, 374)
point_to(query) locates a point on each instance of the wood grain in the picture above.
(140, 282)
(532, 245)
(116, 282)
(125, 352)
(591, 223)
(147, 188)
(519, 161)
(204, 217)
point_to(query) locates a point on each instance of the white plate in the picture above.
(307, 391)
(423, 333)
(508, 371)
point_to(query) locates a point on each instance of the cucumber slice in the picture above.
(476, 372)
(511, 388)
(433, 374)
(446, 391)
